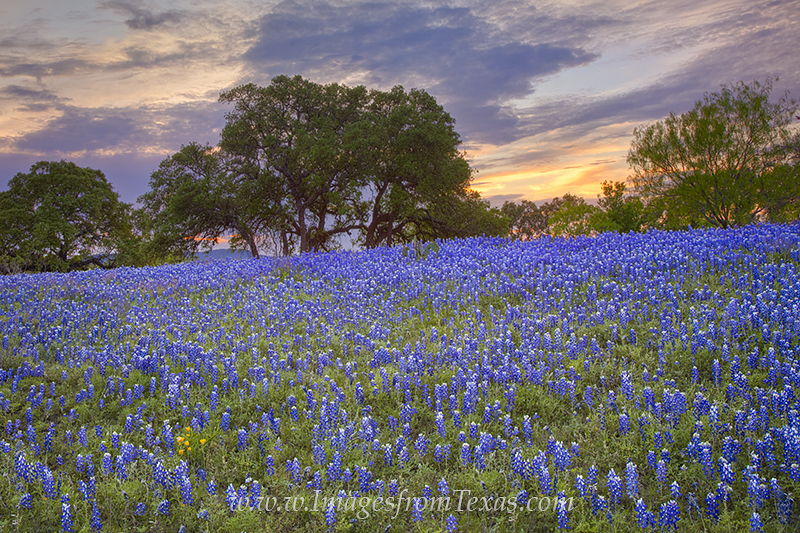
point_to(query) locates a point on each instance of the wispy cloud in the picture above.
(141, 18)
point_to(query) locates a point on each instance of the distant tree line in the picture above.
(303, 167)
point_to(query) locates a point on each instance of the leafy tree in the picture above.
(784, 178)
(418, 180)
(60, 217)
(619, 211)
(465, 215)
(302, 136)
(723, 163)
(526, 220)
(341, 160)
(572, 216)
(199, 195)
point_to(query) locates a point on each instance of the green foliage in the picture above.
(61, 217)
(197, 196)
(340, 159)
(302, 137)
(621, 212)
(726, 162)
(573, 217)
(526, 220)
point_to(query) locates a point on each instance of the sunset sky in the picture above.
(545, 94)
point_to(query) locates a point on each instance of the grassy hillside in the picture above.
(611, 383)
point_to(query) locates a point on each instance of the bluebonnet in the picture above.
(443, 487)
(330, 514)
(599, 503)
(626, 386)
(465, 454)
(440, 426)
(643, 517)
(404, 456)
(107, 465)
(451, 523)
(421, 445)
(66, 513)
(94, 521)
(712, 507)
(48, 484)
(231, 497)
(561, 457)
(562, 512)
(580, 484)
(669, 515)
(675, 490)
(186, 490)
(387, 454)
(591, 475)
(756, 525)
(726, 472)
(661, 473)
(416, 509)
(441, 453)
(25, 501)
(631, 480)
(624, 424)
(163, 508)
(614, 485)
(545, 481)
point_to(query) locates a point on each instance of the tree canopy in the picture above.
(305, 163)
(199, 194)
(618, 210)
(726, 162)
(60, 217)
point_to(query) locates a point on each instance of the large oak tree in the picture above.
(59, 217)
(309, 163)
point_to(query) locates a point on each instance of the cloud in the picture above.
(58, 67)
(497, 200)
(34, 100)
(128, 60)
(142, 19)
(80, 129)
(467, 63)
(148, 129)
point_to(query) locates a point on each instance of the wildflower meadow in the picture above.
(619, 383)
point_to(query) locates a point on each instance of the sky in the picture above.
(545, 95)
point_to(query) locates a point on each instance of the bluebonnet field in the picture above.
(647, 379)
